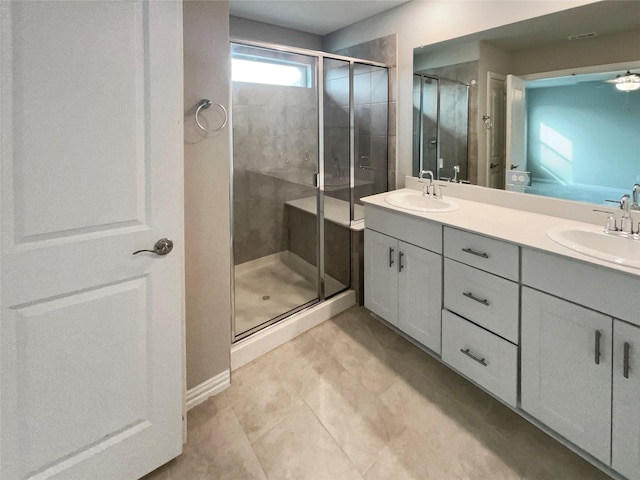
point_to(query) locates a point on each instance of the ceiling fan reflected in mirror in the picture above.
(627, 82)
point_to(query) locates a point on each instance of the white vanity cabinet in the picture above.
(554, 337)
(566, 370)
(591, 399)
(403, 281)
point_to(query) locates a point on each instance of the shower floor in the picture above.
(274, 285)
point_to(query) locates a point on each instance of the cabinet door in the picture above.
(420, 294)
(381, 275)
(565, 384)
(625, 455)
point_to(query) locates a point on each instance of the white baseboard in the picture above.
(208, 388)
(271, 337)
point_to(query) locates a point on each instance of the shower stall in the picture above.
(309, 140)
(440, 126)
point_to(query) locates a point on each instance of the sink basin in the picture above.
(594, 242)
(419, 203)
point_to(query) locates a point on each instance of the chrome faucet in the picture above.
(426, 189)
(626, 222)
(426, 172)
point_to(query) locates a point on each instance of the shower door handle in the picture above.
(315, 179)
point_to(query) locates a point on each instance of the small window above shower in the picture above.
(269, 68)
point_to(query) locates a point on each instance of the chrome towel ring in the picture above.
(204, 103)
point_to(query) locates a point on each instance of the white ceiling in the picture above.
(602, 18)
(319, 17)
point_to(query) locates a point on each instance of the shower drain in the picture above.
(266, 297)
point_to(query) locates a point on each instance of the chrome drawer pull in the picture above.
(625, 368)
(473, 252)
(470, 295)
(481, 361)
(597, 358)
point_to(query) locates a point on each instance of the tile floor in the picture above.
(350, 399)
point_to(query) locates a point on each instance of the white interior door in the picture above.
(516, 152)
(495, 127)
(90, 335)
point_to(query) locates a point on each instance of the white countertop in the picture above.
(524, 228)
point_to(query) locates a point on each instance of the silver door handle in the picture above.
(597, 357)
(162, 247)
(481, 361)
(625, 367)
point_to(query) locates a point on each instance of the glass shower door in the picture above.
(275, 198)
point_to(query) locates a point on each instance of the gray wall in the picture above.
(206, 160)
(243, 29)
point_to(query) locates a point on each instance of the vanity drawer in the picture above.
(484, 358)
(415, 230)
(489, 254)
(485, 299)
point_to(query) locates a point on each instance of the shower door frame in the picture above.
(320, 183)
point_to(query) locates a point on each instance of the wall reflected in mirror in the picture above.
(579, 137)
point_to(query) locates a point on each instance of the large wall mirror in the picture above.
(549, 106)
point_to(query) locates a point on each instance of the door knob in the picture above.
(162, 247)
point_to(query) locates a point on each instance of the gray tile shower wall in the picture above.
(303, 240)
(375, 157)
(259, 226)
(275, 147)
(370, 91)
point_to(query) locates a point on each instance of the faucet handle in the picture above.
(610, 223)
(635, 193)
(624, 203)
(626, 225)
